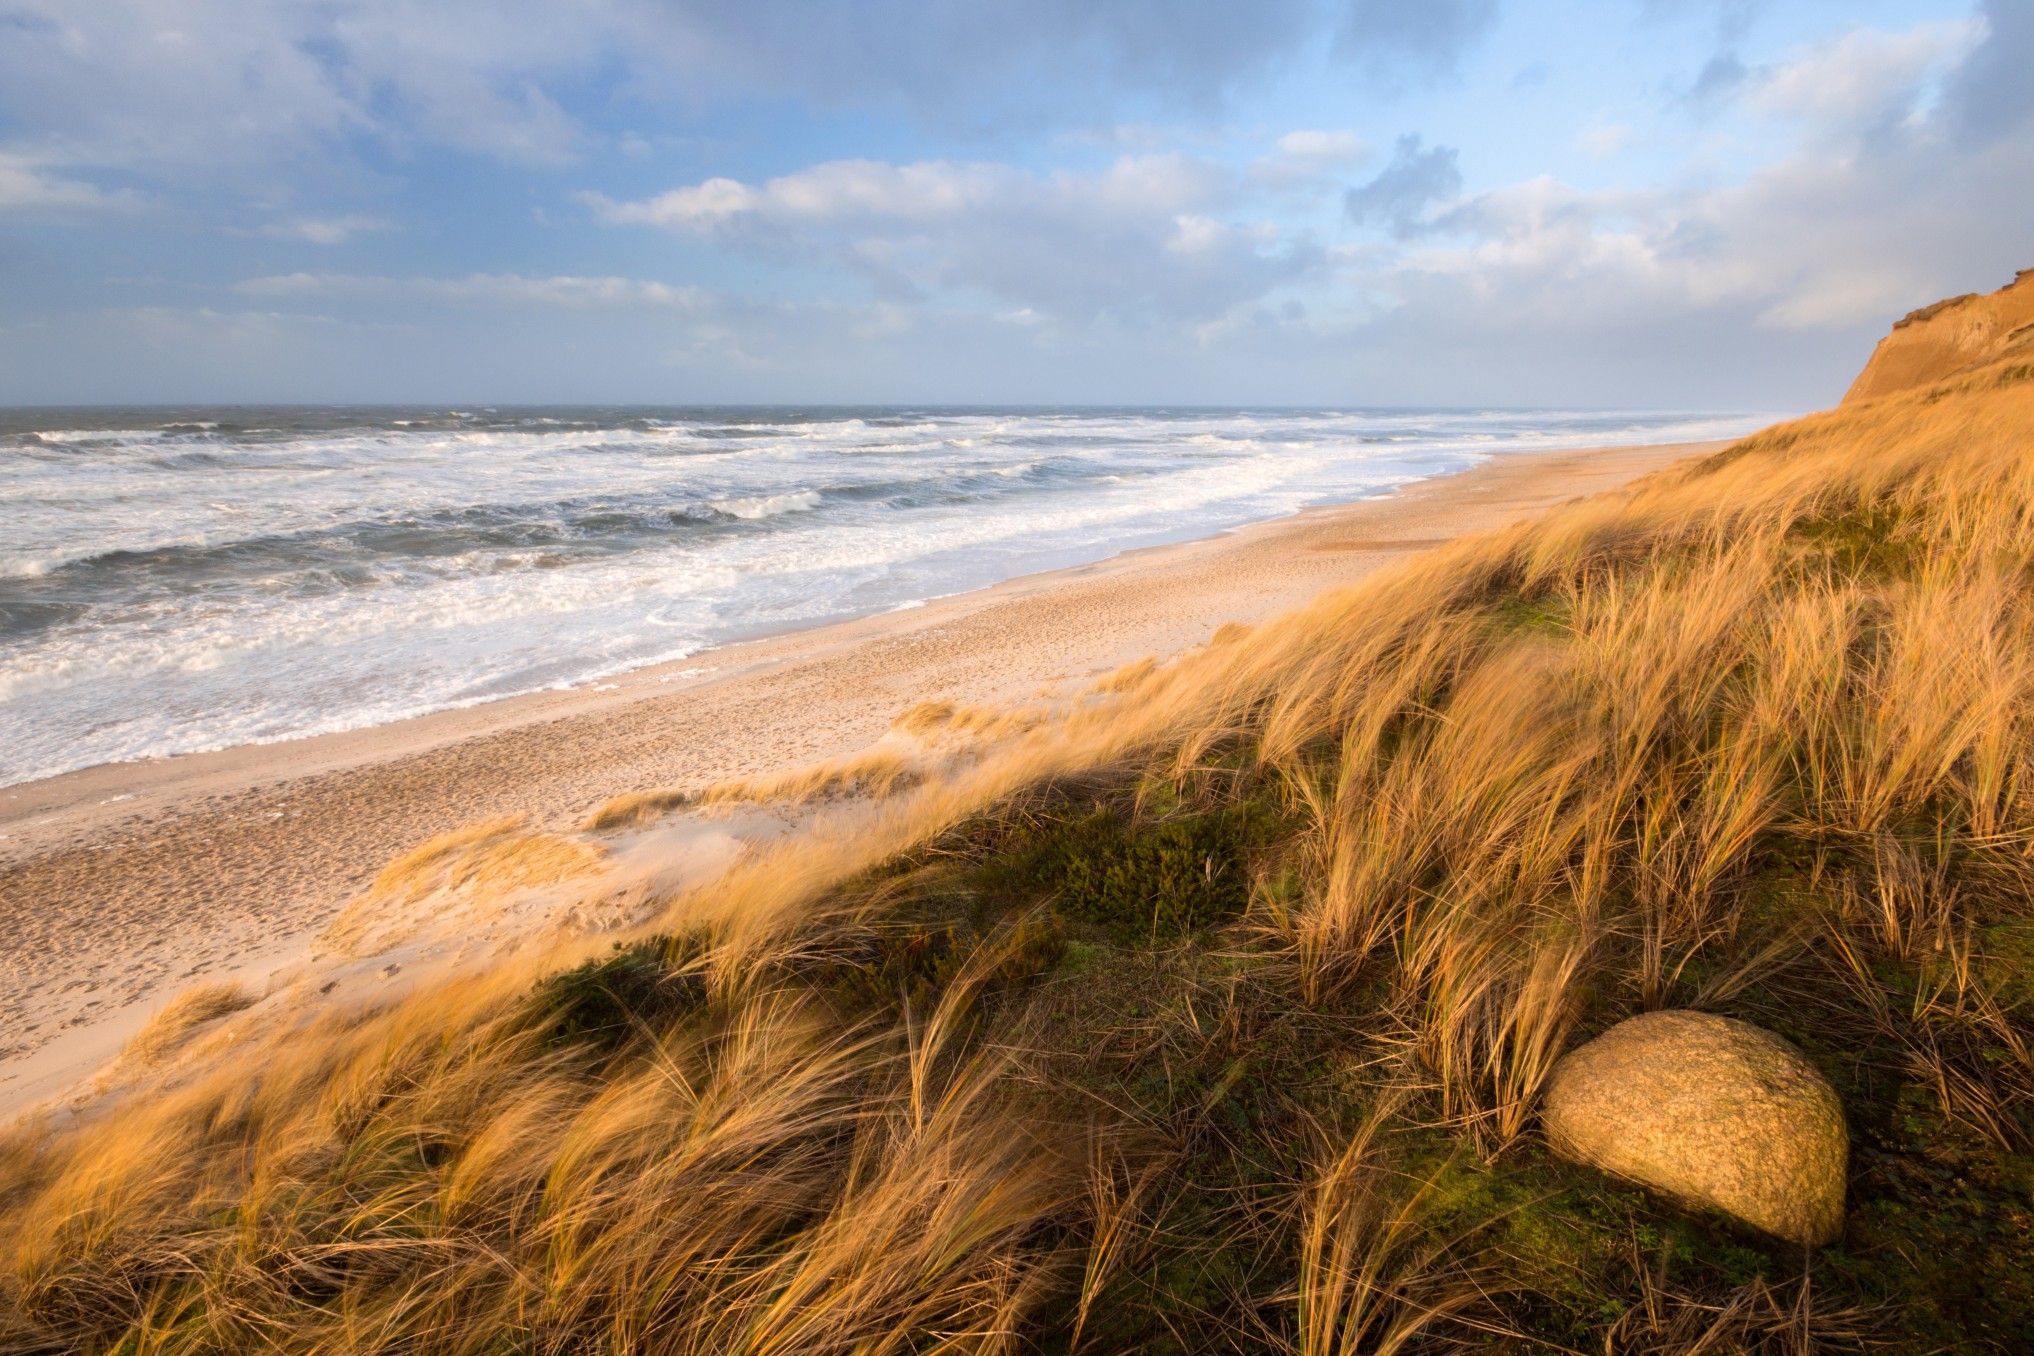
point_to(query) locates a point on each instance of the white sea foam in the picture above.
(96, 435)
(757, 506)
(200, 583)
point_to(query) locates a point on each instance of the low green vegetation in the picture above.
(637, 991)
(1866, 542)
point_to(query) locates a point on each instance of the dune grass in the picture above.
(173, 1027)
(874, 772)
(939, 722)
(1212, 1015)
(484, 863)
(637, 809)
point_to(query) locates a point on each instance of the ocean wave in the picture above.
(61, 437)
(759, 506)
(180, 587)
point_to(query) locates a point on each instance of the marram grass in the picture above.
(1212, 1015)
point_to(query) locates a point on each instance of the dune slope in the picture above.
(1954, 335)
(1213, 1014)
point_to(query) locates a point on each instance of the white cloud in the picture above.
(1426, 38)
(1779, 281)
(845, 191)
(1338, 150)
(1150, 234)
(1836, 302)
(1871, 205)
(325, 230)
(27, 184)
(231, 86)
(1898, 165)
(228, 87)
(1864, 76)
(483, 288)
(1309, 160)
(182, 321)
(838, 189)
(1604, 139)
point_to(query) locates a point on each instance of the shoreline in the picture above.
(125, 883)
(134, 784)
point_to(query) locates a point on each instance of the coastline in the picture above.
(123, 884)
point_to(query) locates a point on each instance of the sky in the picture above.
(1687, 204)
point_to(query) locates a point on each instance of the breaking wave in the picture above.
(176, 580)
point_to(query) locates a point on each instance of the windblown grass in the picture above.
(497, 855)
(180, 1019)
(1128, 678)
(637, 809)
(943, 722)
(1213, 1016)
(480, 863)
(878, 772)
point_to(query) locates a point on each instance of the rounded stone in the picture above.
(1714, 1112)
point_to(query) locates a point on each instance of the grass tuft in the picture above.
(180, 1019)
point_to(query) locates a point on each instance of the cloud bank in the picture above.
(1301, 200)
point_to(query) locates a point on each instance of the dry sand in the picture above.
(120, 886)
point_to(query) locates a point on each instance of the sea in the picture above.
(175, 580)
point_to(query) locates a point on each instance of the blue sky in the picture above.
(1679, 203)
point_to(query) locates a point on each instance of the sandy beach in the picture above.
(122, 885)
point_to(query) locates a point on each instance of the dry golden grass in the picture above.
(925, 718)
(1756, 735)
(879, 772)
(1228, 633)
(481, 862)
(942, 722)
(876, 772)
(496, 855)
(637, 809)
(1371, 1278)
(1128, 678)
(180, 1019)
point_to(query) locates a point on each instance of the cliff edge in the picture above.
(1948, 337)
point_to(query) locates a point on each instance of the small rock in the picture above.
(1714, 1112)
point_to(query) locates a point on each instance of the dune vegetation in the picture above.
(1211, 1014)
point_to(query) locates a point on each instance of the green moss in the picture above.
(604, 1002)
(1516, 612)
(2006, 961)
(915, 966)
(1568, 1247)
(1144, 880)
(1224, 1071)
(1871, 540)
(1941, 1229)
(1941, 1221)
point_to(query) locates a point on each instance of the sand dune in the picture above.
(1220, 1007)
(123, 885)
(1951, 336)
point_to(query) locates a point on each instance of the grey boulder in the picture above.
(1714, 1112)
